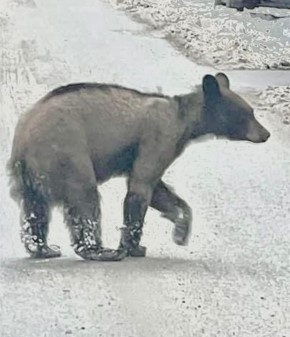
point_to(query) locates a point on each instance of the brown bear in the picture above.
(80, 135)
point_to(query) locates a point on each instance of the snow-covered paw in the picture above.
(181, 233)
(101, 254)
(139, 251)
(47, 252)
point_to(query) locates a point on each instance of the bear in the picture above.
(82, 134)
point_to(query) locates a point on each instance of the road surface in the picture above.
(232, 279)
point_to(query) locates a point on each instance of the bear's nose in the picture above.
(257, 133)
(266, 135)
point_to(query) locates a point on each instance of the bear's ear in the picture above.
(210, 87)
(223, 80)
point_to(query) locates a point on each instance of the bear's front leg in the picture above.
(135, 207)
(155, 154)
(175, 209)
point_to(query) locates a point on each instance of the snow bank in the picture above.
(223, 38)
(272, 107)
(276, 100)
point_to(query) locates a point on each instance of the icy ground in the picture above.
(232, 279)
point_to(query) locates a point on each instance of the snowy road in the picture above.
(232, 279)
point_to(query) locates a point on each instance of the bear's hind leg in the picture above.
(83, 214)
(85, 228)
(35, 218)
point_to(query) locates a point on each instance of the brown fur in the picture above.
(83, 134)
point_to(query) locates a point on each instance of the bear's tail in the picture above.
(19, 180)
